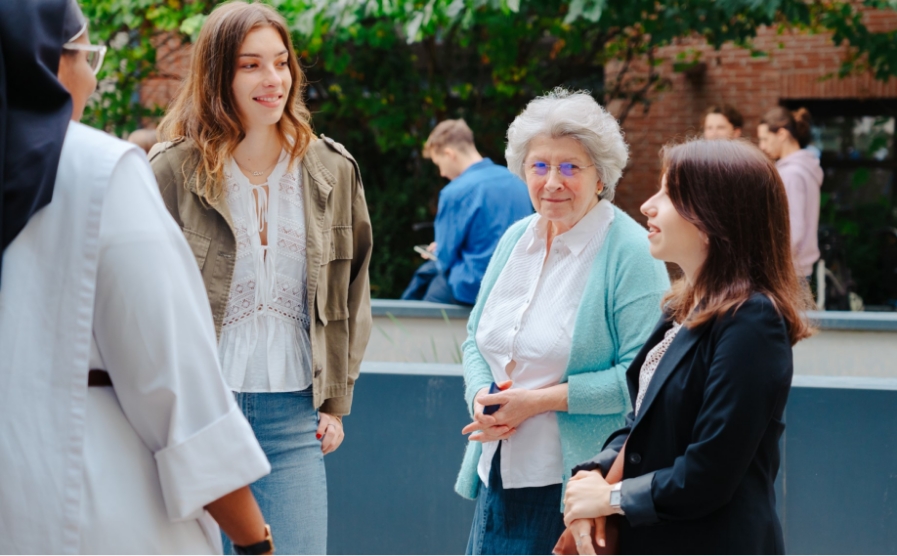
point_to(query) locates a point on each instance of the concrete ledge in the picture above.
(417, 309)
(416, 369)
(799, 381)
(825, 320)
(846, 320)
(844, 382)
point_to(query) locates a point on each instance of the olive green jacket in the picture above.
(338, 252)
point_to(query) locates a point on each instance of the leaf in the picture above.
(574, 11)
(192, 25)
(455, 8)
(593, 13)
(413, 26)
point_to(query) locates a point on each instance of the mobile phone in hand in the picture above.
(490, 409)
(422, 249)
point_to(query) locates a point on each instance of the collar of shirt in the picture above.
(457, 188)
(593, 224)
(477, 165)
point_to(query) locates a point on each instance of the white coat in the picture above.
(103, 278)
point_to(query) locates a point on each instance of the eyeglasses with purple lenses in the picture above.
(566, 169)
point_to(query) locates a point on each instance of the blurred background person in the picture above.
(476, 207)
(279, 227)
(568, 301)
(783, 137)
(711, 383)
(722, 121)
(144, 138)
(116, 428)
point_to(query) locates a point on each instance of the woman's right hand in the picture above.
(485, 427)
(585, 531)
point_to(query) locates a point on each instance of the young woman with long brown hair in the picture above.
(700, 450)
(278, 224)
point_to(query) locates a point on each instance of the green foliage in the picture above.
(382, 73)
(861, 227)
(132, 29)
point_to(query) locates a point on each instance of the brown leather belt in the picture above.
(97, 377)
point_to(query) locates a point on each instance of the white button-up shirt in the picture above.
(526, 332)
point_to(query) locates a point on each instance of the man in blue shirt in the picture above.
(480, 202)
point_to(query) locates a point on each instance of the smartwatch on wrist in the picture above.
(261, 547)
(616, 497)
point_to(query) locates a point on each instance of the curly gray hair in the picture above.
(563, 113)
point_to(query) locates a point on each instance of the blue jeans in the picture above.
(428, 284)
(516, 520)
(293, 498)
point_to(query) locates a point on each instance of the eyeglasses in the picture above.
(566, 169)
(95, 54)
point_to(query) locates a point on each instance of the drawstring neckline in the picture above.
(264, 257)
(261, 204)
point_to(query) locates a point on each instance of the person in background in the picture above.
(476, 207)
(117, 432)
(279, 227)
(700, 450)
(783, 137)
(569, 298)
(722, 121)
(144, 138)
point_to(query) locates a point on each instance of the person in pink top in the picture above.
(783, 135)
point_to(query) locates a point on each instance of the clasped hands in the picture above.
(586, 507)
(516, 407)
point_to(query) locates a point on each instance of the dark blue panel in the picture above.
(840, 480)
(391, 484)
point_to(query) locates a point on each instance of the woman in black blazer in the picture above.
(701, 447)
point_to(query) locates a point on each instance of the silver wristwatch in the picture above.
(616, 497)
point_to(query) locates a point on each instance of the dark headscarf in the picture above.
(34, 107)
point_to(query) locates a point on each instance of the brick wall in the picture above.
(795, 69)
(172, 64)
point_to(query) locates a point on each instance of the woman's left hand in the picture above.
(517, 405)
(587, 497)
(330, 432)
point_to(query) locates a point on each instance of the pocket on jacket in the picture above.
(332, 298)
(199, 244)
(341, 244)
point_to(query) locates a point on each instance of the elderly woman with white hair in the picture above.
(570, 296)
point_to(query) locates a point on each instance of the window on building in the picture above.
(858, 217)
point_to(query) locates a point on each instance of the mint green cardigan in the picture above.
(619, 309)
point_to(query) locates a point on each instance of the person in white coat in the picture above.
(117, 432)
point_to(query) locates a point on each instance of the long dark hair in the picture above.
(733, 194)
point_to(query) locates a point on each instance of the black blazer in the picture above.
(702, 455)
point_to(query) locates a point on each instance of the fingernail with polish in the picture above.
(318, 435)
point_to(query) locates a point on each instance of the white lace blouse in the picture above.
(264, 345)
(652, 360)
